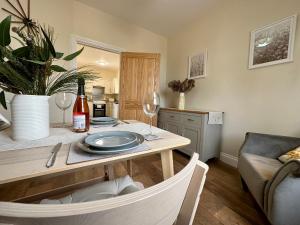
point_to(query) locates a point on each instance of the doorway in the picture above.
(132, 76)
(103, 92)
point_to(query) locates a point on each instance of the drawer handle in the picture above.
(190, 120)
(171, 116)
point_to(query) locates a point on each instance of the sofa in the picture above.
(274, 185)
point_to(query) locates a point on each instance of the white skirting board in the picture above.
(229, 159)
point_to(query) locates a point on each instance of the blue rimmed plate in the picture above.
(110, 139)
(139, 140)
(103, 119)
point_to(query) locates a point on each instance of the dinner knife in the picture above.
(117, 124)
(52, 158)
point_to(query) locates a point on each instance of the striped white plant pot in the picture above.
(30, 117)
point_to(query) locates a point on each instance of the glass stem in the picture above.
(64, 118)
(151, 125)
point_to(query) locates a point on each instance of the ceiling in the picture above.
(100, 58)
(165, 17)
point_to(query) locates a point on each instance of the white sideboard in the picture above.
(193, 124)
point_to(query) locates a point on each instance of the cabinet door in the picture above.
(161, 125)
(108, 87)
(193, 134)
(173, 128)
(116, 85)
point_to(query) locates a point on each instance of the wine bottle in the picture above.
(81, 114)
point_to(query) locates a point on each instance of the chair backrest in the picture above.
(161, 204)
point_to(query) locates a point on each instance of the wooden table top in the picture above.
(30, 162)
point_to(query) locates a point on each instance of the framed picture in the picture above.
(273, 44)
(197, 65)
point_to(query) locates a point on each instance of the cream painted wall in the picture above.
(261, 100)
(70, 17)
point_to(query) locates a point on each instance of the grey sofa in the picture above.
(274, 185)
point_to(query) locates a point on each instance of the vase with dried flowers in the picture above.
(182, 87)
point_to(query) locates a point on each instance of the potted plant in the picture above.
(31, 73)
(182, 87)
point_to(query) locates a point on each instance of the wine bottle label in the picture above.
(79, 122)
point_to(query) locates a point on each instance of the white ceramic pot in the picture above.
(30, 117)
(181, 102)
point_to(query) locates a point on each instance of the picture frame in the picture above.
(197, 65)
(273, 44)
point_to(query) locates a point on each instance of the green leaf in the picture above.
(67, 81)
(35, 61)
(73, 55)
(44, 53)
(2, 100)
(57, 68)
(50, 45)
(14, 78)
(59, 55)
(4, 31)
(21, 52)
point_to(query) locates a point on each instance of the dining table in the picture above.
(21, 160)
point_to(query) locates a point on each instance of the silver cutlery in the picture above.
(125, 121)
(99, 126)
(52, 158)
(116, 124)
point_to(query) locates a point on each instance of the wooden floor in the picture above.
(223, 202)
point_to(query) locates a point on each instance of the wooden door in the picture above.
(139, 76)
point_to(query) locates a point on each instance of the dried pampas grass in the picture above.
(184, 86)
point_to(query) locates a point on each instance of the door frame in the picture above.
(76, 39)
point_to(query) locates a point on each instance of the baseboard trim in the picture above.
(229, 159)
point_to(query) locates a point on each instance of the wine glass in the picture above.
(63, 101)
(151, 106)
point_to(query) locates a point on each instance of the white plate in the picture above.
(110, 139)
(103, 119)
(83, 147)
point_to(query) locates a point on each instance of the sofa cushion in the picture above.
(102, 190)
(291, 155)
(257, 171)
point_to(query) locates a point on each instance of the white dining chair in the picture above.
(173, 201)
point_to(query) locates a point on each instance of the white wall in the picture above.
(70, 17)
(260, 100)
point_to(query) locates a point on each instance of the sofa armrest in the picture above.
(271, 146)
(282, 195)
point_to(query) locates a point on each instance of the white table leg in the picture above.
(129, 167)
(167, 163)
(109, 172)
